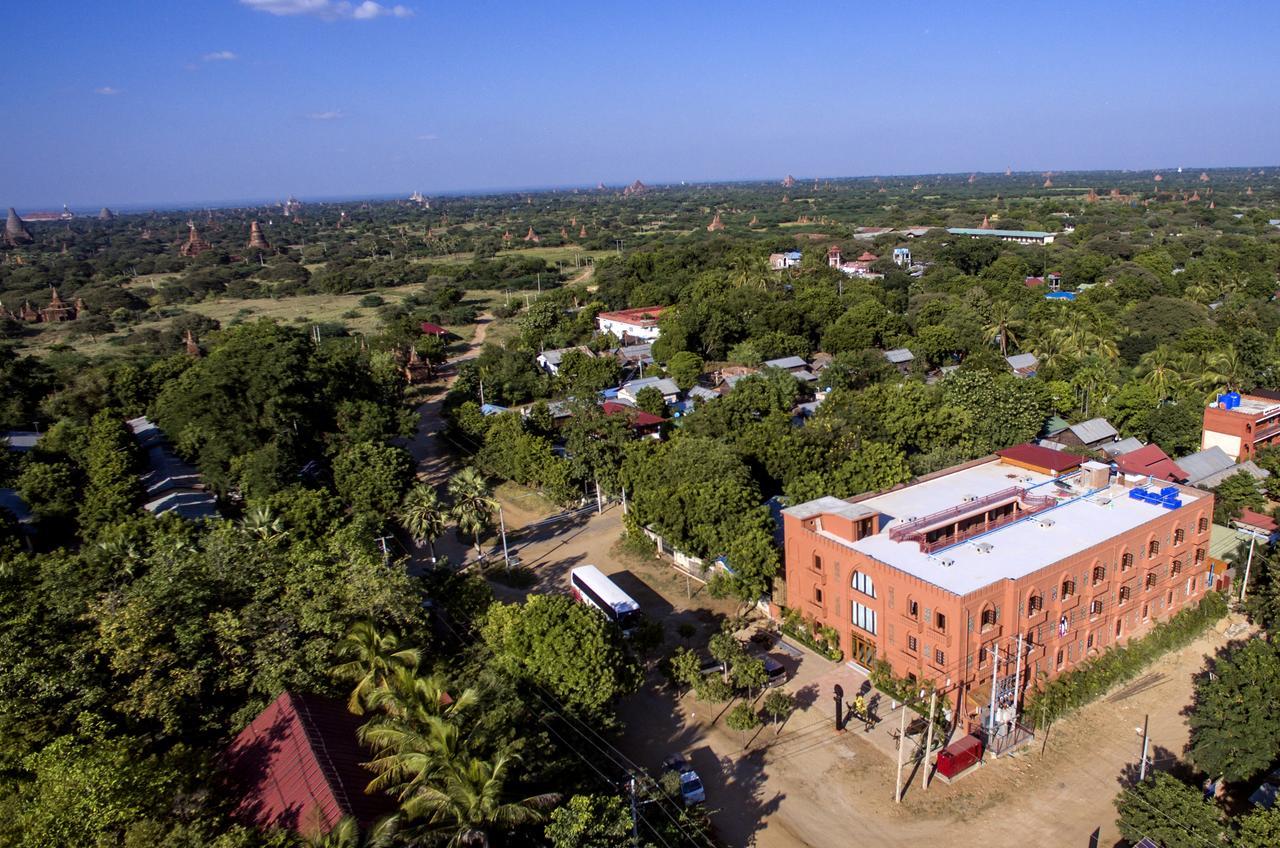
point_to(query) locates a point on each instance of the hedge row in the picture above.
(1095, 677)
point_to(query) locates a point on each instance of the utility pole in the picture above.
(502, 525)
(1017, 681)
(382, 542)
(599, 502)
(1244, 585)
(482, 392)
(995, 677)
(902, 746)
(624, 500)
(635, 818)
(1142, 768)
(928, 743)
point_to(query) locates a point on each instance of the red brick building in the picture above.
(1241, 424)
(938, 575)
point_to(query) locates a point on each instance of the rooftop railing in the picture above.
(917, 529)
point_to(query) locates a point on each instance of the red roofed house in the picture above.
(643, 424)
(1258, 523)
(297, 766)
(429, 329)
(1152, 461)
(632, 326)
(1039, 458)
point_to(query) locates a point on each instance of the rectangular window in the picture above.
(1203, 525)
(913, 644)
(1153, 548)
(1199, 555)
(817, 594)
(988, 618)
(1176, 569)
(1179, 535)
(940, 621)
(1095, 607)
(1191, 586)
(1089, 642)
(1068, 588)
(1059, 658)
(1151, 580)
(1119, 625)
(864, 617)
(1146, 611)
(939, 657)
(1124, 594)
(1099, 574)
(1126, 562)
(817, 563)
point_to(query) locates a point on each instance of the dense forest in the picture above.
(134, 647)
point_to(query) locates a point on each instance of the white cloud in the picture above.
(107, 90)
(219, 56)
(330, 10)
(331, 115)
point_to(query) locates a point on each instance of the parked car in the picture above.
(711, 665)
(691, 789)
(776, 671)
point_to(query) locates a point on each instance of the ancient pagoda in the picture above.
(257, 241)
(15, 230)
(636, 187)
(531, 236)
(194, 245)
(106, 215)
(789, 182)
(582, 233)
(716, 224)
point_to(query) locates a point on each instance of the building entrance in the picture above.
(861, 651)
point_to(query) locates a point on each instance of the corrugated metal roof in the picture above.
(787, 362)
(899, 355)
(1247, 467)
(1205, 463)
(1124, 446)
(298, 765)
(973, 231)
(1020, 361)
(1040, 457)
(1094, 430)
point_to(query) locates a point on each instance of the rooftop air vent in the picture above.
(1046, 522)
(984, 547)
(946, 562)
(969, 498)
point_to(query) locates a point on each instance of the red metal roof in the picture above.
(1151, 460)
(1258, 520)
(642, 316)
(638, 417)
(433, 329)
(297, 766)
(1037, 456)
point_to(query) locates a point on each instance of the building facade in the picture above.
(940, 576)
(1241, 424)
(1019, 236)
(632, 326)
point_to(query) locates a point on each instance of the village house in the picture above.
(783, 261)
(1032, 555)
(631, 326)
(169, 484)
(1019, 236)
(1241, 424)
(629, 390)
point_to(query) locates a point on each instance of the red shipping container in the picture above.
(959, 755)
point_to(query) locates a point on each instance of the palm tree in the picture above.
(1005, 324)
(1051, 351)
(344, 834)
(260, 521)
(423, 514)
(466, 804)
(1161, 370)
(1226, 368)
(374, 658)
(406, 695)
(408, 756)
(473, 506)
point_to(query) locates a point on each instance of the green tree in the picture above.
(685, 368)
(88, 787)
(473, 506)
(651, 401)
(750, 674)
(589, 821)
(424, 515)
(1235, 729)
(1259, 829)
(468, 805)
(1233, 494)
(686, 668)
(1170, 812)
(568, 648)
(727, 650)
(113, 490)
(372, 477)
(778, 705)
(742, 718)
(373, 657)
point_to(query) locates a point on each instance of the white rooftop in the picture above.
(1079, 521)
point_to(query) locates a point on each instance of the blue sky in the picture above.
(128, 102)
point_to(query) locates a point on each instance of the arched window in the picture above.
(988, 617)
(1068, 588)
(863, 583)
(1099, 574)
(1153, 548)
(1035, 603)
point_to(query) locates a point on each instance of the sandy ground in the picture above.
(810, 786)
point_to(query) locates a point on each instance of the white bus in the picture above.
(590, 586)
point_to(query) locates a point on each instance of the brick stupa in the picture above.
(257, 241)
(789, 182)
(15, 230)
(636, 187)
(194, 245)
(106, 215)
(716, 224)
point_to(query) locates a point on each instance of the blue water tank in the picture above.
(1171, 503)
